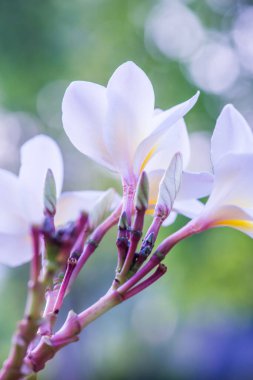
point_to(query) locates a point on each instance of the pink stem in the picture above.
(36, 263)
(154, 227)
(135, 238)
(94, 240)
(160, 271)
(48, 315)
(188, 230)
(64, 285)
(49, 346)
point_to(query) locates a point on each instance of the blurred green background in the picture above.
(196, 323)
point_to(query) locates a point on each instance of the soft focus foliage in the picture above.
(196, 322)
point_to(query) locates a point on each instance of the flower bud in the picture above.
(50, 193)
(142, 193)
(169, 186)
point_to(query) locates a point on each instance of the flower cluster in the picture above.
(119, 127)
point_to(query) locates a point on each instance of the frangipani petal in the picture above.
(190, 208)
(170, 219)
(15, 249)
(71, 204)
(175, 140)
(233, 183)
(200, 146)
(235, 217)
(37, 156)
(108, 201)
(148, 146)
(154, 179)
(84, 111)
(130, 108)
(232, 134)
(12, 218)
(195, 185)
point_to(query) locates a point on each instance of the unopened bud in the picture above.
(169, 186)
(50, 193)
(123, 225)
(105, 203)
(142, 193)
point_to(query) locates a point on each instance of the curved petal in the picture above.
(108, 201)
(15, 249)
(232, 134)
(175, 140)
(190, 208)
(235, 217)
(84, 110)
(130, 108)
(200, 146)
(154, 179)
(233, 183)
(71, 204)
(161, 124)
(37, 156)
(195, 185)
(170, 219)
(12, 218)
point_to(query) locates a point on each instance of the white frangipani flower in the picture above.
(194, 185)
(117, 125)
(21, 199)
(231, 201)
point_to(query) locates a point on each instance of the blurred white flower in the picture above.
(215, 67)
(21, 199)
(175, 29)
(243, 34)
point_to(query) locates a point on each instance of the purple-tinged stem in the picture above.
(49, 318)
(94, 241)
(191, 228)
(160, 271)
(135, 237)
(122, 241)
(155, 227)
(27, 328)
(69, 332)
(161, 251)
(72, 261)
(36, 262)
(71, 264)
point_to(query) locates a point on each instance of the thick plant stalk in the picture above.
(69, 332)
(28, 326)
(94, 241)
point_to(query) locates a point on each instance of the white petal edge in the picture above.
(232, 134)
(195, 185)
(130, 109)
(169, 118)
(175, 140)
(37, 156)
(15, 249)
(84, 109)
(12, 217)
